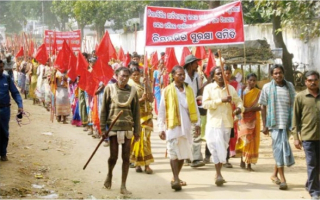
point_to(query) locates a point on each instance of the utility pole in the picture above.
(42, 12)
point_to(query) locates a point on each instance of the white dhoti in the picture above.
(179, 148)
(218, 142)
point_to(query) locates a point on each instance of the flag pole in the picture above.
(146, 78)
(223, 75)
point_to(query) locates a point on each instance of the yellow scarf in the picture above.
(172, 106)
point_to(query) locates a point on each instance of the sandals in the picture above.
(275, 180)
(182, 183)
(176, 186)
(219, 181)
(148, 171)
(283, 186)
(138, 169)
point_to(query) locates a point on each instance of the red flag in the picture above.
(121, 54)
(62, 61)
(185, 53)
(102, 71)
(106, 49)
(154, 59)
(172, 60)
(128, 59)
(20, 53)
(72, 67)
(200, 53)
(41, 55)
(211, 64)
(82, 64)
(91, 84)
(166, 55)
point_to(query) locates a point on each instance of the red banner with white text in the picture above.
(167, 26)
(73, 39)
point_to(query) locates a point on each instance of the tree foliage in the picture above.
(300, 15)
(14, 14)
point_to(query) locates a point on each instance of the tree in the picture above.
(293, 14)
(82, 14)
(63, 10)
(14, 15)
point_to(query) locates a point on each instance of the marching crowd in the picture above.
(222, 109)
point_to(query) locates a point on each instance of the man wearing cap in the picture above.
(194, 80)
(8, 65)
(6, 85)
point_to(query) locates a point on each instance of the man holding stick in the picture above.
(117, 97)
(217, 98)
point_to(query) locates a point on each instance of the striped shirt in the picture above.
(282, 104)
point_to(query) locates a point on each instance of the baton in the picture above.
(103, 137)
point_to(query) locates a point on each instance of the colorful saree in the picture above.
(249, 129)
(141, 150)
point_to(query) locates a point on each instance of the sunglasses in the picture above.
(19, 117)
(312, 80)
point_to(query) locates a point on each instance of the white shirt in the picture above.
(195, 83)
(179, 131)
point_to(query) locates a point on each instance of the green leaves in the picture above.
(302, 16)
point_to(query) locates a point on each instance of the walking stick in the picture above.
(103, 137)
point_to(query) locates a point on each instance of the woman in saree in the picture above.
(22, 79)
(33, 85)
(141, 150)
(63, 107)
(157, 74)
(249, 129)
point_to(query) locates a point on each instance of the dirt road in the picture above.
(46, 161)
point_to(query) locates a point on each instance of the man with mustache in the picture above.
(306, 126)
(217, 100)
(177, 112)
(120, 96)
(276, 101)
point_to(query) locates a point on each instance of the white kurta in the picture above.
(179, 131)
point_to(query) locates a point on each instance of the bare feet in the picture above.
(123, 190)
(108, 182)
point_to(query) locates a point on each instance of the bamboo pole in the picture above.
(223, 75)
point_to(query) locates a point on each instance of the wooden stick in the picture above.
(103, 137)
(223, 75)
